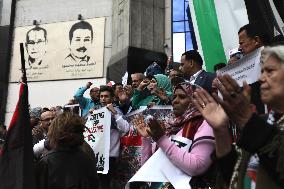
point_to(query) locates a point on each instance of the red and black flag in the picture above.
(16, 157)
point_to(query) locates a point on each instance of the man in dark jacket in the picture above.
(191, 67)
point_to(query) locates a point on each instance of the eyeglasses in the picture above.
(48, 119)
(40, 42)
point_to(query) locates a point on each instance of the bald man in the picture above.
(40, 132)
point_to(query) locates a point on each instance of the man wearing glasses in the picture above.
(40, 132)
(36, 41)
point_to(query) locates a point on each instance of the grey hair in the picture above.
(276, 51)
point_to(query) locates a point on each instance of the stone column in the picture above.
(138, 36)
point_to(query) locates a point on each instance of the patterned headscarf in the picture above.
(176, 124)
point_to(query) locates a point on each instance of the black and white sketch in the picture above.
(36, 41)
(81, 38)
(63, 50)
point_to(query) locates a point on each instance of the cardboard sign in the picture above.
(246, 69)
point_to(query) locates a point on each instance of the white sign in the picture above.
(97, 135)
(246, 69)
(159, 168)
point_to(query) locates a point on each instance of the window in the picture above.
(183, 37)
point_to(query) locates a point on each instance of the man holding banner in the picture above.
(113, 126)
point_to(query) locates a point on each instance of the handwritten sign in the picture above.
(246, 69)
(97, 135)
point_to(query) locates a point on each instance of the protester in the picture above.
(87, 103)
(45, 109)
(188, 123)
(121, 98)
(119, 127)
(251, 37)
(160, 92)
(173, 73)
(56, 110)
(66, 165)
(191, 67)
(259, 134)
(41, 131)
(136, 79)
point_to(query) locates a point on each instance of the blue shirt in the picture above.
(85, 103)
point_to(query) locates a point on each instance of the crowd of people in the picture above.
(230, 137)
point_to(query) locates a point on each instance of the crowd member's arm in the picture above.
(139, 94)
(164, 97)
(257, 135)
(195, 162)
(225, 155)
(124, 102)
(262, 132)
(141, 127)
(79, 95)
(122, 125)
(268, 142)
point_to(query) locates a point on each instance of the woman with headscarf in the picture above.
(261, 135)
(154, 90)
(188, 125)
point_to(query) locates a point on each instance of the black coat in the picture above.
(66, 169)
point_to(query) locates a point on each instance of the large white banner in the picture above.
(158, 168)
(97, 135)
(246, 69)
(63, 50)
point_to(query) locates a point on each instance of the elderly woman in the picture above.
(187, 124)
(66, 165)
(157, 90)
(260, 135)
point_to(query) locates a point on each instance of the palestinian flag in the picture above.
(216, 24)
(16, 157)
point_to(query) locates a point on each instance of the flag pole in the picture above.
(23, 64)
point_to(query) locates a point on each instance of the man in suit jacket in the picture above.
(191, 67)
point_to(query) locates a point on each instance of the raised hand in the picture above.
(140, 125)
(37, 132)
(89, 84)
(156, 129)
(143, 84)
(216, 117)
(161, 94)
(123, 97)
(236, 102)
(212, 112)
(111, 108)
(128, 89)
